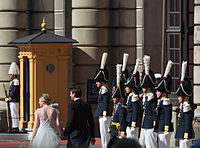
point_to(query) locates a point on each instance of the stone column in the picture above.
(13, 24)
(140, 28)
(197, 62)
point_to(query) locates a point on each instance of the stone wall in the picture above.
(115, 26)
(13, 24)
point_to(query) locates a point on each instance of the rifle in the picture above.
(9, 114)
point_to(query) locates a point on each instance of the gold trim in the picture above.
(133, 124)
(104, 113)
(43, 25)
(185, 135)
(166, 128)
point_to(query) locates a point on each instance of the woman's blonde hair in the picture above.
(45, 98)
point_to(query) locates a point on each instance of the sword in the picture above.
(9, 115)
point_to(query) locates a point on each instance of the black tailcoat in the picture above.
(80, 125)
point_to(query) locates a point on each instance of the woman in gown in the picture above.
(47, 129)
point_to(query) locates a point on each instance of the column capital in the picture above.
(31, 56)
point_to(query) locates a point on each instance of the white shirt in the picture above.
(76, 99)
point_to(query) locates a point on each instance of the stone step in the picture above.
(6, 137)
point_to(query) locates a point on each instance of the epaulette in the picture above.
(186, 107)
(131, 94)
(166, 101)
(134, 98)
(150, 96)
(104, 90)
(16, 82)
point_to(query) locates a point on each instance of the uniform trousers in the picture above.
(185, 143)
(132, 132)
(14, 111)
(141, 138)
(104, 127)
(150, 138)
(164, 139)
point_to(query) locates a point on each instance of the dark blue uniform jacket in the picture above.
(185, 122)
(103, 102)
(164, 115)
(150, 104)
(133, 110)
(119, 116)
(14, 91)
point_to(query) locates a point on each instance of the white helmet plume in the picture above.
(136, 66)
(146, 64)
(168, 68)
(125, 59)
(103, 60)
(118, 69)
(14, 69)
(183, 71)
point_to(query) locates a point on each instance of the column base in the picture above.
(30, 124)
(22, 124)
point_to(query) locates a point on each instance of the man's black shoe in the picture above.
(15, 130)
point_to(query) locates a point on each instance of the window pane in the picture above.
(171, 55)
(171, 5)
(172, 17)
(177, 19)
(176, 70)
(171, 38)
(177, 41)
(177, 56)
(178, 5)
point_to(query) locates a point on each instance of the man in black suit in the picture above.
(80, 125)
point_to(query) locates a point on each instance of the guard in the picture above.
(149, 104)
(184, 130)
(164, 126)
(133, 103)
(14, 97)
(118, 124)
(103, 111)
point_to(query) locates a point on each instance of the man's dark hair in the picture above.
(123, 143)
(76, 91)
